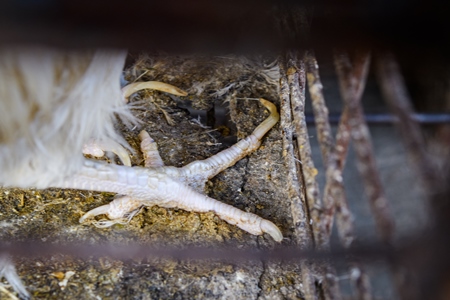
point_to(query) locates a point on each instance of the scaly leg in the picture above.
(170, 187)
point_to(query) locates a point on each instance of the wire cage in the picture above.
(362, 203)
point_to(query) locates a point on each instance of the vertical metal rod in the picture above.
(352, 83)
(395, 93)
(342, 139)
(334, 198)
(297, 82)
(334, 188)
(362, 141)
(302, 230)
(299, 206)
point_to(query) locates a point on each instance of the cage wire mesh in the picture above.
(330, 250)
(346, 237)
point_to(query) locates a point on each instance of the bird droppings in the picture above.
(255, 184)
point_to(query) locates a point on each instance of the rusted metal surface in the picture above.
(296, 78)
(387, 119)
(299, 210)
(299, 205)
(350, 87)
(360, 281)
(352, 76)
(396, 95)
(361, 139)
(334, 195)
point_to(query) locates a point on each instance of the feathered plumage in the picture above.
(51, 103)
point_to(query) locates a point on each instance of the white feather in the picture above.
(51, 103)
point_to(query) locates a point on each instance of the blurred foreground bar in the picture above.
(382, 119)
(178, 26)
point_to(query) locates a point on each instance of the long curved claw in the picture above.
(153, 85)
(269, 122)
(117, 209)
(254, 224)
(271, 229)
(101, 210)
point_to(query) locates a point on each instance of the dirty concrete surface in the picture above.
(255, 184)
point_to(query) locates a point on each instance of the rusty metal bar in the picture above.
(230, 253)
(352, 78)
(361, 282)
(303, 235)
(355, 83)
(296, 78)
(334, 198)
(342, 139)
(387, 119)
(396, 96)
(334, 188)
(354, 88)
(349, 87)
(330, 284)
(297, 81)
